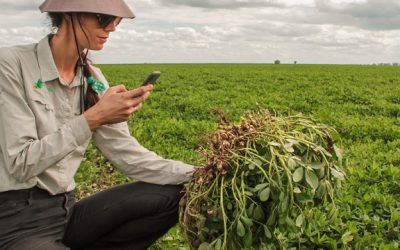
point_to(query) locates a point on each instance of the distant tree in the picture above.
(395, 64)
(295, 62)
(277, 62)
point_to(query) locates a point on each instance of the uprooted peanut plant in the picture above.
(268, 182)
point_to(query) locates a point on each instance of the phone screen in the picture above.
(152, 78)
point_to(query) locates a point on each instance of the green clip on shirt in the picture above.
(43, 137)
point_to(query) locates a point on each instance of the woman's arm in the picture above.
(124, 151)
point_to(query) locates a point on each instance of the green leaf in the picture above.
(233, 245)
(297, 190)
(248, 239)
(247, 221)
(335, 136)
(321, 149)
(321, 173)
(281, 196)
(250, 209)
(347, 238)
(284, 204)
(298, 174)
(204, 246)
(304, 198)
(218, 244)
(321, 190)
(291, 224)
(292, 163)
(260, 186)
(258, 213)
(292, 141)
(301, 148)
(248, 193)
(252, 166)
(267, 232)
(299, 220)
(338, 153)
(264, 194)
(240, 230)
(272, 218)
(275, 144)
(337, 174)
(333, 213)
(317, 165)
(258, 162)
(289, 147)
(312, 179)
(253, 163)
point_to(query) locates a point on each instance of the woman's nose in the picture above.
(113, 25)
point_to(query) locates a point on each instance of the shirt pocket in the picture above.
(47, 106)
(44, 115)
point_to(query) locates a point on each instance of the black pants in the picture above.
(130, 216)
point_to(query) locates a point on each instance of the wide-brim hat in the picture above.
(110, 7)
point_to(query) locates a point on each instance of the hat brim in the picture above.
(110, 7)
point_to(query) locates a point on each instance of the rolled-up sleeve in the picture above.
(25, 154)
(124, 151)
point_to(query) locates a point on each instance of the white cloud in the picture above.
(309, 31)
(222, 4)
(23, 35)
(367, 14)
(12, 5)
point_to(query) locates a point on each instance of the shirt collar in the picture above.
(75, 83)
(48, 69)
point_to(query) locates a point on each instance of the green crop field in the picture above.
(361, 102)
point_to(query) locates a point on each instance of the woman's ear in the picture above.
(64, 20)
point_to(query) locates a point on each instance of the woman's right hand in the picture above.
(116, 105)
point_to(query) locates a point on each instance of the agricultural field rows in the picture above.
(361, 102)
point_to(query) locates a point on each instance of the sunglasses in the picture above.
(104, 20)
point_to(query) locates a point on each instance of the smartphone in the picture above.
(152, 78)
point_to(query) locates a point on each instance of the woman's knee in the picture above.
(169, 195)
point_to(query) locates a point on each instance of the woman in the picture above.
(52, 102)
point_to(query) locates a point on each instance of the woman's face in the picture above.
(91, 35)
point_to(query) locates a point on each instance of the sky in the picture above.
(234, 31)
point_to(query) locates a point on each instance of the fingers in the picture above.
(132, 93)
(134, 99)
(117, 105)
(137, 108)
(117, 89)
(139, 91)
(137, 100)
(128, 102)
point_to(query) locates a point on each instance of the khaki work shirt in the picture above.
(43, 136)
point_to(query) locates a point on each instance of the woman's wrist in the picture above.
(92, 119)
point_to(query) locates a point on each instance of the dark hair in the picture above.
(55, 18)
(91, 97)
